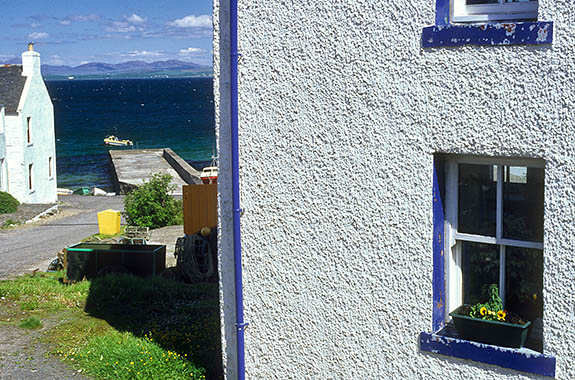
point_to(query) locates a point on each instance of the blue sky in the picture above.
(72, 32)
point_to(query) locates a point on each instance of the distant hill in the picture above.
(138, 68)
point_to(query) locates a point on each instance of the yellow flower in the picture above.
(483, 310)
(501, 315)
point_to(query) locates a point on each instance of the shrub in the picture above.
(8, 204)
(152, 205)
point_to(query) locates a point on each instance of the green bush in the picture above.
(8, 204)
(152, 205)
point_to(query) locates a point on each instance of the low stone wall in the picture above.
(185, 170)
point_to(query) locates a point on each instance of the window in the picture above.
(494, 217)
(28, 130)
(50, 167)
(30, 171)
(493, 10)
(1, 173)
(488, 228)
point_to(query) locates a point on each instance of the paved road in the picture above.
(33, 246)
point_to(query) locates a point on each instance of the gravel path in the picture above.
(22, 357)
(34, 245)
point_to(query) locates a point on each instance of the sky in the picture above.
(72, 32)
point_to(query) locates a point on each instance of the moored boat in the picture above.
(210, 173)
(114, 141)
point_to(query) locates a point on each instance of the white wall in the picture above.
(3, 177)
(340, 114)
(35, 103)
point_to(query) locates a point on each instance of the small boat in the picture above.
(114, 141)
(62, 191)
(210, 173)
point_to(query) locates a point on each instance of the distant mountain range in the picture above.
(131, 67)
(171, 67)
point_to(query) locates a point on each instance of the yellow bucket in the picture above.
(109, 222)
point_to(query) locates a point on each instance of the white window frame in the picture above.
(453, 261)
(461, 12)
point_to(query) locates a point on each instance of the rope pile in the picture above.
(194, 258)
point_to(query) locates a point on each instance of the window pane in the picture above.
(524, 282)
(518, 1)
(477, 199)
(473, 2)
(523, 203)
(480, 268)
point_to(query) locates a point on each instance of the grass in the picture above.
(97, 237)
(30, 323)
(9, 223)
(167, 329)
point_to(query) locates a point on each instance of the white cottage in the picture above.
(30, 152)
(395, 159)
(3, 176)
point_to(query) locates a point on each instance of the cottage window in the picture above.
(494, 10)
(30, 183)
(494, 234)
(50, 167)
(28, 130)
(1, 173)
(488, 228)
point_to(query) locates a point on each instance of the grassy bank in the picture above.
(120, 326)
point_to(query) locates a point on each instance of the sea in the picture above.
(176, 113)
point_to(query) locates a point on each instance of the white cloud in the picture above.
(191, 51)
(35, 25)
(202, 21)
(135, 19)
(79, 18)
(143, 53)
(122, 27)
(38, 35)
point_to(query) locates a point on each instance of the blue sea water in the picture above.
(177, 113)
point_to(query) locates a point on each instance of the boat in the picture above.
(210, 173)
(114, 141)
(62, 191)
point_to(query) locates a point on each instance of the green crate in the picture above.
(88, 260)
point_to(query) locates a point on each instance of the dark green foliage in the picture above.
(8, 204)
(152, 205)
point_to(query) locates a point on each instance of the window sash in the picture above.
(453, 264)
(492, 12)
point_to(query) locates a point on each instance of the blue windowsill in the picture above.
(522, 359)
(505, 33)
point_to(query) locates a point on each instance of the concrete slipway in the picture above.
(132, 167)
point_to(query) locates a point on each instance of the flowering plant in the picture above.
(492, 309)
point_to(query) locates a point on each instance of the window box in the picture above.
(490, 332)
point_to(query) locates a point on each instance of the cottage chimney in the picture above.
(30, 61)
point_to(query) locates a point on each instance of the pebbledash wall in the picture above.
(341, 112)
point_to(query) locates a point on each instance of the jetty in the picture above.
(131, 167)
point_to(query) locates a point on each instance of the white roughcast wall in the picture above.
(340, 114)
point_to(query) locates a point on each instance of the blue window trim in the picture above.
(444, 34)
(516, 359)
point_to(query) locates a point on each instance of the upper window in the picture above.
(493, 10)
(494, 220)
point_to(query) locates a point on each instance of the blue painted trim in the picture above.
(516, 359)
(519, 33)
(438, 254)
(441, 12)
